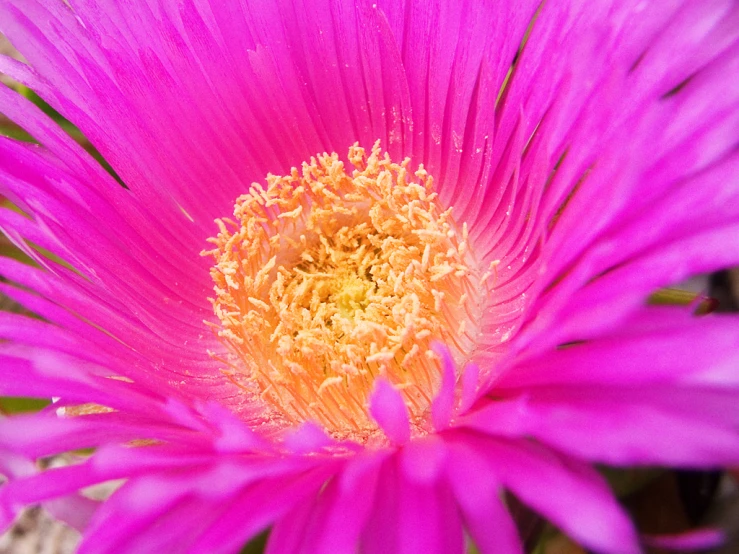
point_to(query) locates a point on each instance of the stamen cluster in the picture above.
(326, 280)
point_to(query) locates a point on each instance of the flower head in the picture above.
(436, 228)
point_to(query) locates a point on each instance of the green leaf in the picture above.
(676, 297)
(256, 545)
(15, 405)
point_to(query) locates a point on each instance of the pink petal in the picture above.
(623, 426)
(662, 353)
(478, 496)
(423, 460)
(333, 522)
(307, 438)
(443, 405)
(409, 517)
(701, 539)
(428, 521)
(390, 412)
(570, 494)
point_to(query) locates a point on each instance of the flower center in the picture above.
(326, 280)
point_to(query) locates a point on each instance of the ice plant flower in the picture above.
(374, 264)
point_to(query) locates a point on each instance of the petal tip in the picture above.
(390, 412)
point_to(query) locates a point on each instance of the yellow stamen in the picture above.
(326, 280)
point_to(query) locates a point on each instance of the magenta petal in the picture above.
(470, 384)
(390, 412)
(14, 465)
(592, 165)
(656, 347)
(331, 523)
(583, 507)
(76, 511)
(292, 532)
(44, 434)
(423, 460)
(47, 485)
(685, 427)
(307, 438)
(348, 510)
(443, 404)
(411, 517)
(479, 498)
(199, 517)
(701, 539)
(609, 299)
(264, 503)
(381, 533)
(102, 535)
(428, 520)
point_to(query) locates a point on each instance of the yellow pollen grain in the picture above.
(326, 279)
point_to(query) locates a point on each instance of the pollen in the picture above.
(326, 279)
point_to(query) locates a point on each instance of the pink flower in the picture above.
(593, 160)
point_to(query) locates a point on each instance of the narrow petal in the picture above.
(423, 460)
(347, 512)
(390, 412)
(478, 496)
(274, 499)
(701, 539)
(694, 427)
(333, 522)
(428, 521)
(583, 507)
(662, 353)
(443, 404)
